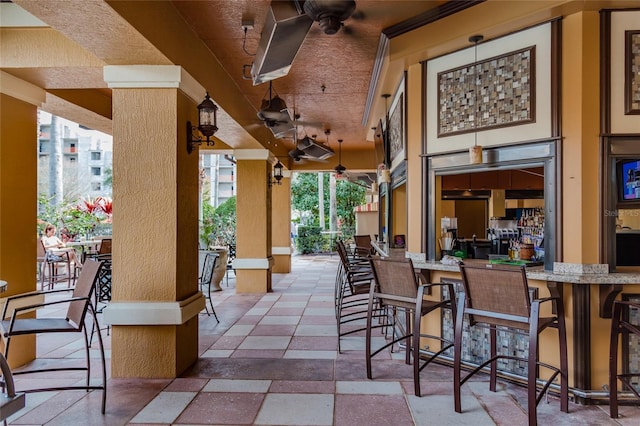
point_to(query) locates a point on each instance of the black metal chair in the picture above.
(398, 290)
(622, 324)
(353, 280)
(204, 281)
(10, 401)
(74, 322)
(231, 256)
(498, 296)
(51, 261)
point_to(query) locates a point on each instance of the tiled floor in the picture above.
(273, 361)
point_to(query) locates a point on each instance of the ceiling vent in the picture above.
(284, 31)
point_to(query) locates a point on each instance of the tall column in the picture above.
(253, 222)
(281, 224)
(19, 102)
(155, 296)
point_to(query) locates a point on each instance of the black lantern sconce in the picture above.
(207, 124)
(277, 174)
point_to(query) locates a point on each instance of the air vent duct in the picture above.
(284, 30)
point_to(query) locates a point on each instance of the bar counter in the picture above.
(588, 300)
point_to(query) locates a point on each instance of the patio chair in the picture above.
(623, 324)
(363, 245)
(206, 276)
(10, 401)
(231, 256)
(74, 322)
(498, 296)
(51, 264)
(353, 280)
(397, 290)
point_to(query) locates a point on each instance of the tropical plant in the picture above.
(78, 221)
(304, 200)
(47, 213)
(218, 226)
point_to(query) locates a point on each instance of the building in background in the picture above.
(83, 160)
(218, 178)
(73, 161)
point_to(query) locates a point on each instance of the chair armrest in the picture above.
(40, 305)
(10, 299)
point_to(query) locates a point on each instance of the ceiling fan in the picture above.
(340, 169)
(330, 14)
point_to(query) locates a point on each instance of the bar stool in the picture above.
(621, 324)
(498, 296)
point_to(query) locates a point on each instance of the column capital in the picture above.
(153, 76)
(21, 90)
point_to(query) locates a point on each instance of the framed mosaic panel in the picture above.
(496, 92)
(396, 128)
(632, 72)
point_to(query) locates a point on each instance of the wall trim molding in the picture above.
(154, 313)
(252, 263)
(281, 250)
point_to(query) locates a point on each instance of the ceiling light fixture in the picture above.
(340, 168)
(207, 124)
(475, 152)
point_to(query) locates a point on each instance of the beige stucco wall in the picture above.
(18, 233)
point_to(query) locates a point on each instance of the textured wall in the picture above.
(18, 206)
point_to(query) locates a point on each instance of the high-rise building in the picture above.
(83, 159)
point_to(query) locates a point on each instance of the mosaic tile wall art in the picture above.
(504, 87)
(632, 77)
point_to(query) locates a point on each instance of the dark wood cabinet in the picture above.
(527, 179)
(455, 182)
(484, 180)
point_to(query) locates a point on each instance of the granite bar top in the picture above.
(538, 273)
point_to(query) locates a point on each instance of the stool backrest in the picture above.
(497, 294)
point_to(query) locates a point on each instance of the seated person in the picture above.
(55, 248)
(65, 235)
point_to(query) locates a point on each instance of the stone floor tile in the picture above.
(265, 342)
(164, 408)
(222, 408)
(296, 409)
(369, 387)
(225, 385)
(372, 410)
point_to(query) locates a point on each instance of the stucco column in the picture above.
(580, 136)
(155, 297)
(19, 103)
(281, 224)
(253, 221)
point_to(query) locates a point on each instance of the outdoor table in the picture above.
(83, 247)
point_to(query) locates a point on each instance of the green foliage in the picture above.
(304, 194)
(218, 226)
(77, 221)
(80, 217)
(47, 213)
(304, 199)
(310, 239)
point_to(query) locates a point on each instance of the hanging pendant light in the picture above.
(475, 152)
(340, 168)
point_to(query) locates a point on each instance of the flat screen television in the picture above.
(628, 173)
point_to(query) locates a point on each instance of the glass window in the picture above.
(96, 186)
(95, 155)
(95, 171)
